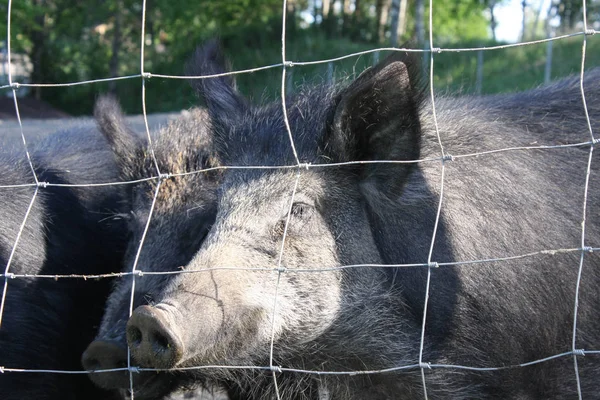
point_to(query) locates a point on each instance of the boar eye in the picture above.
(301, 210)
(300, 214)
(122, 216)
(137, 219)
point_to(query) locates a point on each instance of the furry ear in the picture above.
(222, 99)
(377, 118)
(124, 142)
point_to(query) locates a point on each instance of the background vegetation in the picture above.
(75, 40)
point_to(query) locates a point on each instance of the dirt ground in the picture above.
(28, 108)
(39, 119)
(33, 129)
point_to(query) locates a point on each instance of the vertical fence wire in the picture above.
(574, 348)
(154, 198)
(281, 269)
(144, 77)
(430, 264)
(12, 253)
(284, 67)
(134, 272)
(33, 198)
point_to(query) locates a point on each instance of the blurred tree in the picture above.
(524, 22)
(75, 40)
(420, 22)
(381, 18)
(569, 12)
(117, 13)
(493, 24)
(457, 20)
(537, 17)
(395, 18)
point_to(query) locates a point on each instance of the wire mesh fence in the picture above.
(161, 176)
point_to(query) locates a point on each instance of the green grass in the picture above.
(505, 70)
(513, 69)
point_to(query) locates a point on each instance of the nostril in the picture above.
(106, 355)
(152, 340)
(92, 364)
(161, 343)
(102, 354)
(134, 336)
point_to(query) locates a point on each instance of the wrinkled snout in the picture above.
(106, 354)
(153, 342)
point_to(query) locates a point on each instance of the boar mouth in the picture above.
(149, 385)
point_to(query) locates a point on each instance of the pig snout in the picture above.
(153, 341)
(106, 354)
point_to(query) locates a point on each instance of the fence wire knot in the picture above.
(579, 352)
(288, 64)
(165, 176)
(133, 369)
(436, 50)
(590, 32)
(306, 166)
(15, 85)
(43, 185)
(138, 272)
(588, 249)
(146, 75)
(447, 157)
(9, 275)
(276, 368)
(1, 369)
(424, 365)
(595, 141)
(281, 269)
(433, 264)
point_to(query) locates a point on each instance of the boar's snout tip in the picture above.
(106, 354)
(153, 341)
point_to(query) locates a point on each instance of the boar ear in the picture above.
(377, 118)
(124, 142)
(219, 93)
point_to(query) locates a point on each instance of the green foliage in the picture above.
(74, 40)
(512, 69)
(457, 20)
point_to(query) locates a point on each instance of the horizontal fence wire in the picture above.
(577, 352)
(140, 273)
(289, 63)
(307, 166)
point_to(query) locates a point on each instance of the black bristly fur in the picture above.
(70, 230)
